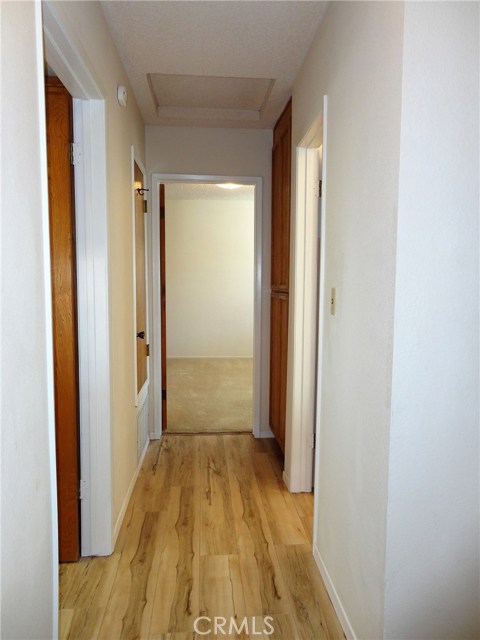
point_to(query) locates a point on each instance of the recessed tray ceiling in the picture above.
(212, 63)
(209, 96)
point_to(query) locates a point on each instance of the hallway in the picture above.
(210, 531)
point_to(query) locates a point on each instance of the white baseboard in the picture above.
(332, 592)
(265, 433)
(123, 510)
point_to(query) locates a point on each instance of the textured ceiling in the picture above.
(202, 191)
(213, 63)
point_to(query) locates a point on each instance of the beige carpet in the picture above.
(209, 394)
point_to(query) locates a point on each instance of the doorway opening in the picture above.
(207, 241)
(209, 307)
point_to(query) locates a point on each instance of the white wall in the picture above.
(209, 277)
(29, 569)
(229, 152)
(432, 574)
(124, 128)
(356, 59)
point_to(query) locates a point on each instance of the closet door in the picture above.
(278, 364)
(281, 176)
(59, 121)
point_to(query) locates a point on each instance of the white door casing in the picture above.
(140, 396)
(304, 331)
(65, 54)
(155, 314)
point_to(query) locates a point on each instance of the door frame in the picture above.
(141, 395)
(302, 427)
(258, 374)
(66, 55)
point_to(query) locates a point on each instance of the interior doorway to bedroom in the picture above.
(209, 306)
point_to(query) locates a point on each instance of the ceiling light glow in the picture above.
(229, 185)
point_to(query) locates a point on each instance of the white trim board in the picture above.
(323, 310)
(334, 597)
(47, 279)
(303, 330)
(123, 510)
(93, 330)
(259, 378)
(140, 396)
(65, 54)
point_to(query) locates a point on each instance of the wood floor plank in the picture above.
(128, 611)
(307, 524)
(68, 574)
(221, 592)
(136, 621)
(93, 583)
(176, 603)
(184, 455)
(85, 624)
(262, 580)
(167, 543)
(186, 598)
(182, 635)
(65, 617)
(284, 522)
(314, 614)
(174, 462)
(217, 532)
(303, 504)
(146, 496)
(282, 624)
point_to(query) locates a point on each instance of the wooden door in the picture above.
(140, 281)
(281, 178)
(281, 173)
(163, 303)
(64, 309)
(278, 364)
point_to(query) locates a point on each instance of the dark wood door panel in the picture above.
(163, 304)
(281, 191)
(64, 311)
(278, 364)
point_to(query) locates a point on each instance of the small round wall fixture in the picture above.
(122, 95)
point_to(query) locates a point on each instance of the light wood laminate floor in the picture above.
(209, 395)
(210, 531)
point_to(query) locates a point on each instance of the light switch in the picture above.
(333, 301)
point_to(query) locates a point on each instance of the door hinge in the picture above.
(75, 153)
(148, 350)
(314, 440)
(145, 206)
(317, 189)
